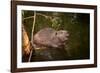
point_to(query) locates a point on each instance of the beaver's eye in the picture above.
(56, 33)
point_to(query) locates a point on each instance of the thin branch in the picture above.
(34, 20)
(30, 55)
(28, 17)
(38, 14)
(44, 15)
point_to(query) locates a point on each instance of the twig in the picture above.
(34, 20)
(30, 55)
(44, 15)
(28, 17)
(38, 14)
(32, 35)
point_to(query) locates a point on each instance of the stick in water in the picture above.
(32, 35)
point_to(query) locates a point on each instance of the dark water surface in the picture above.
(77, 24)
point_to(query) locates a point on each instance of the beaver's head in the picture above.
(62, 35)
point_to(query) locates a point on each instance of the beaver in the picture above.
(50, 38)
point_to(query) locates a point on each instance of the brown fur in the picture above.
(50, 37)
